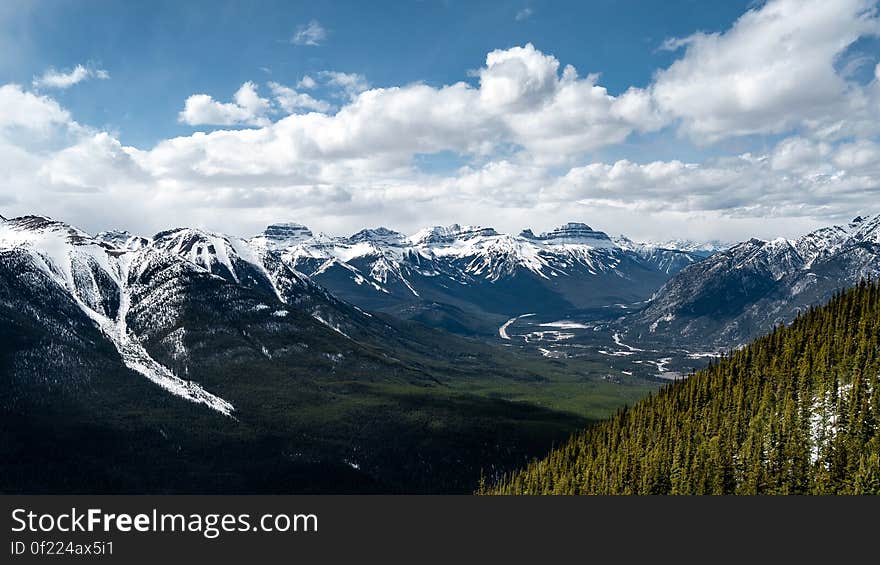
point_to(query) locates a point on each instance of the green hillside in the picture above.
(795, 412)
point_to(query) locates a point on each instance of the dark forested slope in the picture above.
(795, 412)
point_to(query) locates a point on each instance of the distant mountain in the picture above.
(671, 256)
(744, 291)
(794, 412)
(466, 278)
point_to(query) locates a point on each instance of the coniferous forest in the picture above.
(795, 412)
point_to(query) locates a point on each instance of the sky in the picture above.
(676, 119)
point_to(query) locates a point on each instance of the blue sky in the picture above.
(717, 119)
(160, 52)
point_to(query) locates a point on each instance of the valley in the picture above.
(372, 363)
(591, 337)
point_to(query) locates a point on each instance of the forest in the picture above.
(794, 412)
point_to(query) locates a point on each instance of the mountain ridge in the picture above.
(738, 293)
(453, 274)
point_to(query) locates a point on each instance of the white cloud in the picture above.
(306, 82)
(859, 155)
(518, 78)
(524, 14)
(292, 101)
(85, 165)
(28, 111)
(247, 108)
(801, 155)
(522, 101)
(311, 34)
(557, 117)
(675, 43)
(744, 186)
(351, 84)
(58, 79)
(774, 70)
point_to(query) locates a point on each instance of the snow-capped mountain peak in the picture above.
(213, 252)
(94, 274)
(380, 259)
(123, 240)
(283, 235)
(381, 237)
(572, 233)
(867, 230)
(445, 235)
(758, 283)
(29, 229)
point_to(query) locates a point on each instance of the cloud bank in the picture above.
(523, 127)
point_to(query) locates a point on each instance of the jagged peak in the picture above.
(448, 234)
(192, 242)
(867, 230)
(378, 235)
(38, 225)
(116, 237)
(122, 239)
(36, 221)
(179, 231)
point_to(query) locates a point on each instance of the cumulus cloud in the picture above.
(351, 84)
(801, 155)
(247, 108)
(746, 186)
(519, 78)
(84, 165)
(311, 34)
(772, 71)
(860, 155)
(59, 79)
(306, 82)
(28, 111)
(292, 101)
(523, 100)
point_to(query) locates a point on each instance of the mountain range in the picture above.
(467, 278)
(742, 292)
(373, 362)
(196, 362)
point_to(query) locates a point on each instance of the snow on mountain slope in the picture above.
(95, 275)
(265, 263)
(222, 255)
(736, 294)
(477, 267)
(474, 251)
(283, 236)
